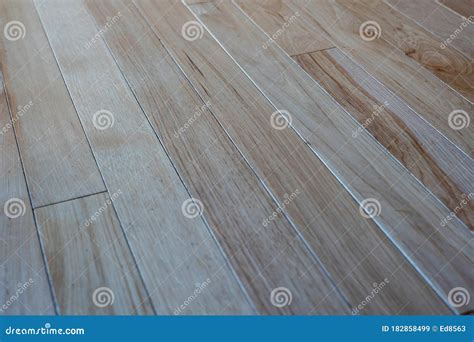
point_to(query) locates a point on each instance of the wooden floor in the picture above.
(245, 157)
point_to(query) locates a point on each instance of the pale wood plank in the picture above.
(284, 28)
(416, 43)
(423, 150)
(463, 7)
(334, 232)
(234, 201)
(24, 288)
(92, 269)
(58, 161)
(440, 21)
(173, 252)
(419, 88)
(409, 215)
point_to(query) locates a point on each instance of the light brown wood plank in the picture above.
(234, 201)
(24, 288)
(273, 154)
(58, 161)
(463, 7)
(440, 21)
(173, 252)
(424, 151)
(409, 215)
(418, 87)
(285, 29)
(91, 266)
(449, 65)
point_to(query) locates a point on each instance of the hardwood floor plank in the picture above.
(440, 21)
(273, 154)
(57, 159)
(463, 7)
(420, 148)
(24, 288)
(449, 65)
(419, 88)
(92, 269)
(409, 215)
(234, 201)
(285, 29)
(174, 254)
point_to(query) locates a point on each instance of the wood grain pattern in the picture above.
(415, 42)
(355, 266)
(410, 215)
(463, 7)
(173, 252)
(426, 153)
(234, 201)
(24, 288)
(92, 269)
(419, 88)
(440, 21)
(58, 162)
